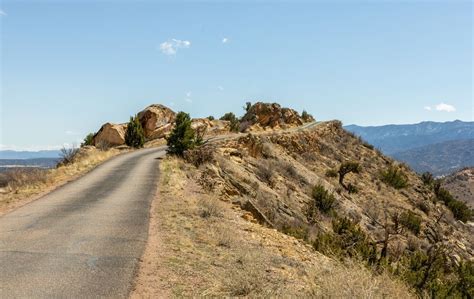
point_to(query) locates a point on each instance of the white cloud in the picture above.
(188, 94)
(220, 88)
(2, 13)
(225, 40)
(441, 107)
(445, 107)
(172, 46)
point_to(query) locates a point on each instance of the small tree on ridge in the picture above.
(134, 136)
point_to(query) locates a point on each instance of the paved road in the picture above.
(84, 239)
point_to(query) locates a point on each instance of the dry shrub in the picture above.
(289, 171)
(103, 145)
(200, 155)
(222, 237)
(265, 172)
(68, 155)
(247, 277)
(17, 178)
(210, 208)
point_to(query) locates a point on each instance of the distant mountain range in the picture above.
(9, 154)
(440, 158)
(438, 147)
(396, 138)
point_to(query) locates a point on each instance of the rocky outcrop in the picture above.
(210, 127)
(110, 135)
(266, 115)
(157, 121)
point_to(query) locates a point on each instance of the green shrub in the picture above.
(352, 189)
(183, 137)
(465, 280)
(345, 168)
(247, 106)
(348, 240)
(427, 178)
(323, 200)
(331, 173)
(298, 232)
(411, 221)
(88, 140)
(306, 116)
(395, 177)
(459, 208)
(134, 136)
(427, 271)
(211, 118)
(234, 121)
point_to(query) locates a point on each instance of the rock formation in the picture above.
(110, 135)
(265, 115)
(157, 121)
(210, 127)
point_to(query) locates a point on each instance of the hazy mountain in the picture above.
(396, 138)
(9, 154)
(440, 158)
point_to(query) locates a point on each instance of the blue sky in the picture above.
(69, 66)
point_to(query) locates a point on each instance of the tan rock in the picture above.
(160, 132)
(111, 134)
(210, 127)
(156, 120)
(270, 115)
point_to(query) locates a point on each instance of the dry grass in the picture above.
(353, 280)
(225, 253)
(26, 186)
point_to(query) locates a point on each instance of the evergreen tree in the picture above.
(134, 136)
(182, 137)
(88, 140)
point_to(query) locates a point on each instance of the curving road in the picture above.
(84, 239)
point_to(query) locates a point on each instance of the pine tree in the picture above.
(182, 137)
(134, 136)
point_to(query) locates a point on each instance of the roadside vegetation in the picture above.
(88, 140)
(183, 137)
(134, 135)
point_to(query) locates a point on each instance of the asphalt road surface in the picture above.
(84, 239)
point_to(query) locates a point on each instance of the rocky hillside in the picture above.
(380, 211)
(461, 185)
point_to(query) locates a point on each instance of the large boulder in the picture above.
(157, 121)
(110, 135)
(210, 127)
(270, 115)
